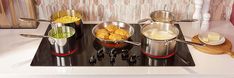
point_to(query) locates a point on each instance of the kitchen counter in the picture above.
(16, 54)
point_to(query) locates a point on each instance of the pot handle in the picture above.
(190, 43)
(33, 36)
(140, 22)
(187, 20)
(51, 40)
(131, 42)
(31, 19)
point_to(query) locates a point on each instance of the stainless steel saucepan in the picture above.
(62, 40)
(164, 16)
(159, 39)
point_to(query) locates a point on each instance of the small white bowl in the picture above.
(204, 37)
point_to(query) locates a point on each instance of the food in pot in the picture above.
(102, 33)
(59, 33)
(115, 37)
(159, 35)
(122, 32)
(111, 28)
(67, 19)
(112, 32)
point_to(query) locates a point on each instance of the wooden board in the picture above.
(214, 49)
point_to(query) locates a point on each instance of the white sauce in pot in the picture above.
(159, 35)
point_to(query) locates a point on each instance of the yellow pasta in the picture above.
(115, 37)
(67, 19)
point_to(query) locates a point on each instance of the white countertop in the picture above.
(16, 54)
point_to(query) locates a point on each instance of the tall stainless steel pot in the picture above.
(158, 48)
(77, 25)
(62, 40)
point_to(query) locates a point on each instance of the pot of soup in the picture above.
(159, 39)
(62, 40)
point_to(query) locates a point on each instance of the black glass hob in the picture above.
(89, 52)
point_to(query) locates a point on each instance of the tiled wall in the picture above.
(133, 10)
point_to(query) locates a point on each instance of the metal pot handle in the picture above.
(190, 43)
(33, 36)
(51, 40)
(186, 20)
(140, 22)
(131, 42)
(31, 19)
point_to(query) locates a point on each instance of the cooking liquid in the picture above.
(159, 35)
(61, 32)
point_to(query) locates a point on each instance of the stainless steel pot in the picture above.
(77, 25)
(62, 40)
(164, 16)
(156, 47)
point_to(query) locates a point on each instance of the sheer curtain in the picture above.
(232, 15)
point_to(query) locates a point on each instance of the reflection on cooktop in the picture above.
(91, 52)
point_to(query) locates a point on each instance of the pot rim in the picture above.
(171, 15)
(52, 17)
(72, 29)
(172, 25)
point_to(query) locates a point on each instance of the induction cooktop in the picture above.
(90, 53)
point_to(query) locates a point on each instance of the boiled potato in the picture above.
(122, 32)
(115, 37)
(111, 28)
(102, 33)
